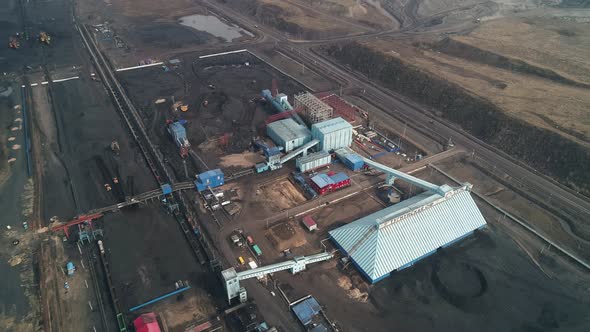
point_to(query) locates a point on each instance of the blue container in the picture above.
(353, 162)
(71, 268)
(261, 167)
(166, 189)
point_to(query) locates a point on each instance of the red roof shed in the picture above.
(309, 223)
(146, 323)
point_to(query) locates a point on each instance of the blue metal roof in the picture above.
(332, 125)
(396, 236)
(339, 177)
(322, 180)
(178, 129)
(306, 309)
(211, 174)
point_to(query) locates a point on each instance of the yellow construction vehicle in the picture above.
(44, 38)
(180, 106)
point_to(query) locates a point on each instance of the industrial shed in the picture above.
(398, 236)
(313, 161)
(288, 134)
(333, 134)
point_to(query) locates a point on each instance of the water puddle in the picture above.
(214, 26)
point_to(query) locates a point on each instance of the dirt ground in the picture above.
(286, 235)
(231, 90)
(319, 19)
(160, 257)
(536, 68)
(455, 288)
(570, 233)
(144, 30)
(280, 195)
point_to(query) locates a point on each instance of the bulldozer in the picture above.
(44, 38)
(13, 43)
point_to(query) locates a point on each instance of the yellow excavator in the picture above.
(44, 38)
(180, 106)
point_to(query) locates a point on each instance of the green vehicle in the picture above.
(257, 250)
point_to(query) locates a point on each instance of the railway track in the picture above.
(393, 104)
(152, 156)
(88, 256)
(125, 107)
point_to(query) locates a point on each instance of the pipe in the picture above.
(157, 299)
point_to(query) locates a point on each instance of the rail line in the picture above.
(199, 245)
(87, 252)
(523, 224)
(124, 105)
(535, 181)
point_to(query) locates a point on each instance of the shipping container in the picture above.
(166, 189)
(354, 162)
(313, 161)
(257, 250)
(332, 134)
(250, 240)
(261, 167)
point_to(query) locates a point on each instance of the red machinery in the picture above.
(282, 115)
(76, 221)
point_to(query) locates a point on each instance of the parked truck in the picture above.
(257, 250)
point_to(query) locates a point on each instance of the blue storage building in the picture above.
(213, 178)
(350, 159)
(306, 310)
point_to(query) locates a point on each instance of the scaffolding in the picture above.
(314, 109)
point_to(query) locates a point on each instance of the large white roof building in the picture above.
(397, 236)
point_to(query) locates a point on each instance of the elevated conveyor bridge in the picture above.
(232, 278)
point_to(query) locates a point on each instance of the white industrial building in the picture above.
(288, 134)
(333, 134)
(313, 161)
(398, 236)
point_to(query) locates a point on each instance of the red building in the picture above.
(146, 323)
(309, 223)
(323, 183)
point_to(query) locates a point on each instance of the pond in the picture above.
(214, 26)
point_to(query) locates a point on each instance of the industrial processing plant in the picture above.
(248, 166)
